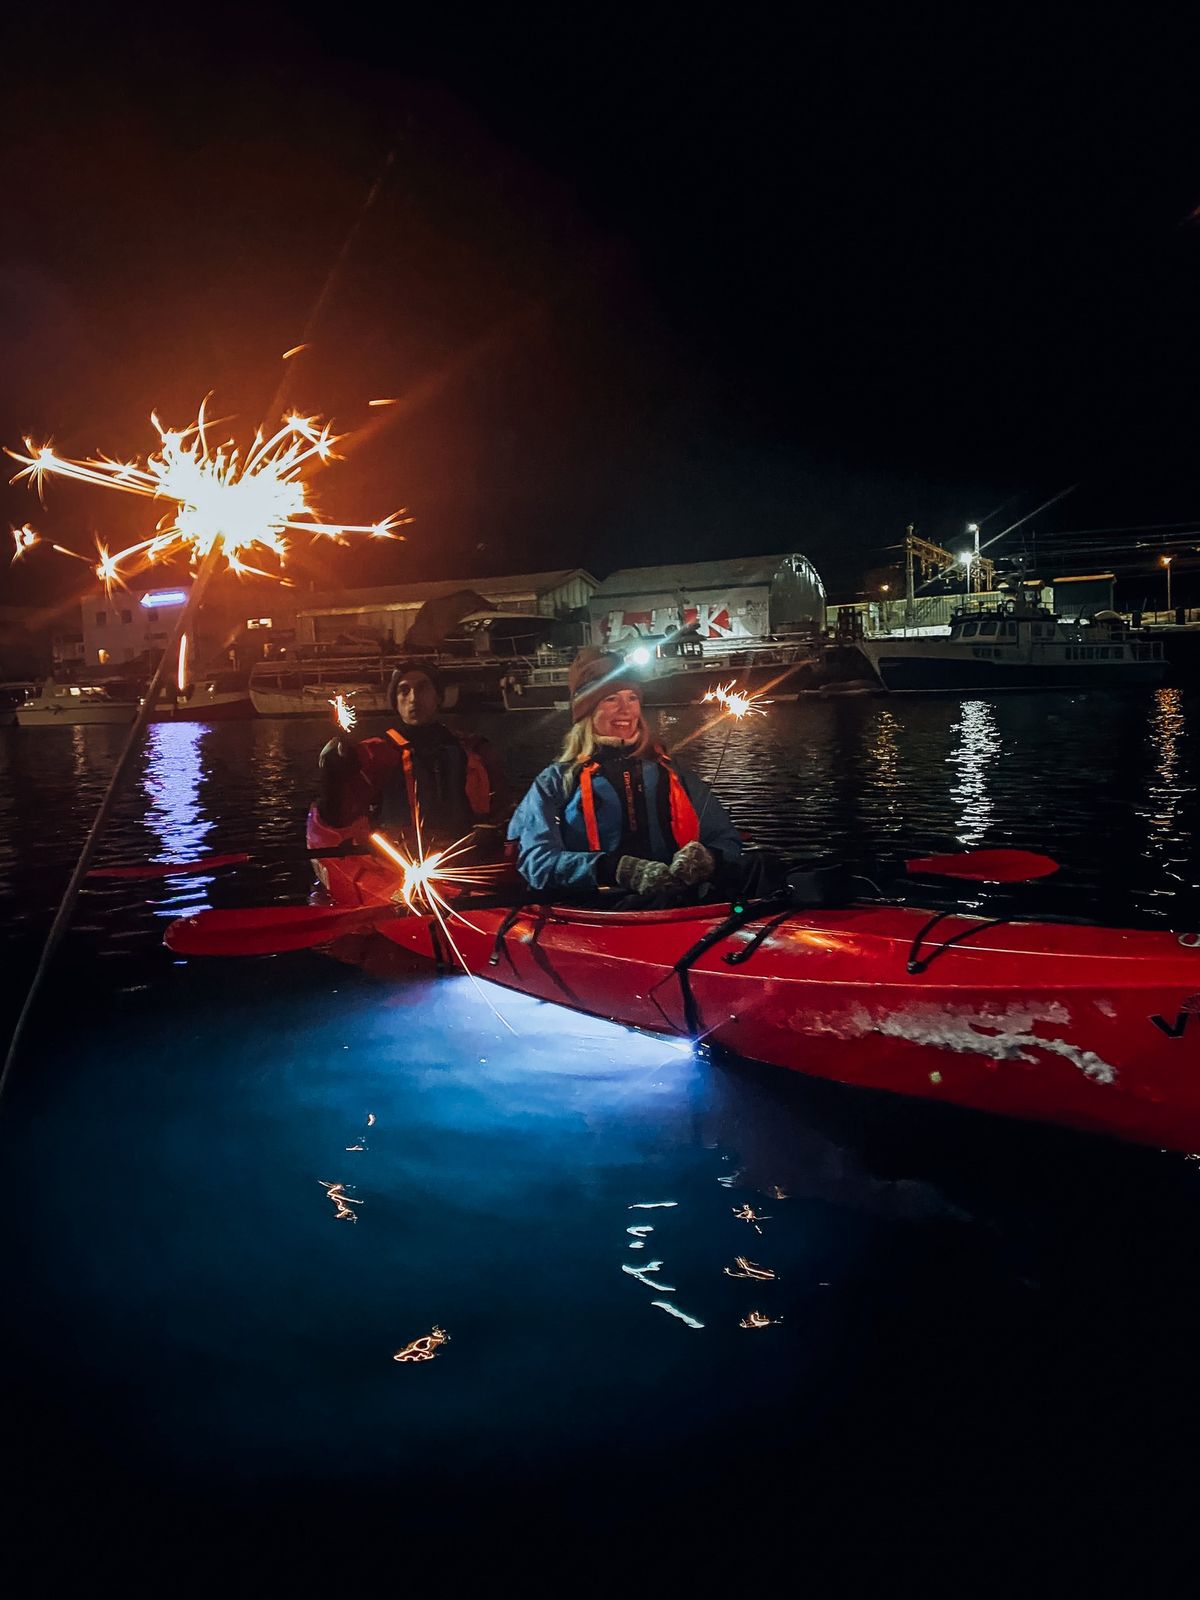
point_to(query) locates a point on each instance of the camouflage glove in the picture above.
(693, 864)
(642, 877)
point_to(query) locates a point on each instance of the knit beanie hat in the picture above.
(594, 674)
(405, 669)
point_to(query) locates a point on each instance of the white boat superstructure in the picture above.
(65, 705)
(1016, 645)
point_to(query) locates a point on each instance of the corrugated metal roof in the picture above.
(735, 571)
(404, 594)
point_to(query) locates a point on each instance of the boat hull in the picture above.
(929, 675)
(52, 716)
(1090, 1028)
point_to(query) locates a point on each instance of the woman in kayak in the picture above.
(614, 811)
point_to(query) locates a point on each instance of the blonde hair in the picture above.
(579, 747)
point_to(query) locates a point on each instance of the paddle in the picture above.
(986, 866)
(171, 869)
(271, 930)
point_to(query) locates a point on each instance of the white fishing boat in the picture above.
(1016, 645)
(65, 705)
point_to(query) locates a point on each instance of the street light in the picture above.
(1166, 561)
(965, 561)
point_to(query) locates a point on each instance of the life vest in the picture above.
(685, 823)
(466, 781)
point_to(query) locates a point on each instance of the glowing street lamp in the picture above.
(1166, 561)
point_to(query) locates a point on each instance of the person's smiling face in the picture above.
(619, 716)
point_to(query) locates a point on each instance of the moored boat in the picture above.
(64, 705)
(1016, 646)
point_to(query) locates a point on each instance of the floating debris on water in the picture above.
(424, 1348)
(748, 1269)
(641, 1229)
(665, 1305)
(370, 1119)
(652, 1205)
(758, 1319)
(728, 1181)
(779, 1194)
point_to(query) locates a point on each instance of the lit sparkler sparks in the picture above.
(344, 713)
(238, 504)
(419, 888)
(734, 702)
(24, 539)
(421, 879)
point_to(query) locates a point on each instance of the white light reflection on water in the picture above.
(976, 754)
(1168, 843)
(883, 750)
(174, 769)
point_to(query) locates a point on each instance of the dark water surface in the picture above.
(989, 1333)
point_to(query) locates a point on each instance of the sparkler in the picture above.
(222, 500)
(419, 885)
(25, 538)
(344, 713)
(734, 702)
(737, 706)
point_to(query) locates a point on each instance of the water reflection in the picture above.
(1167, 840)
(978, 750)
(174, 769)
(172, 786)
(883, 752)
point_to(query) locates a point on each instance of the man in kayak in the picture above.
(615, 812)
(452, 783)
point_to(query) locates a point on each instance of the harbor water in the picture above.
(979, 1333)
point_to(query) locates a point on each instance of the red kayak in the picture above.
(1094, 1028)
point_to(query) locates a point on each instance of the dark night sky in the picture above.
(648, 289)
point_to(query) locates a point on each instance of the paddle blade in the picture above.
(268, 930)
(986, 866)
(169, 869)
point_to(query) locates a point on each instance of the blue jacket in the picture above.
(549, 831)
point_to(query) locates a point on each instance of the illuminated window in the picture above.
(102, 657)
